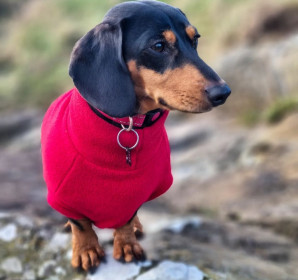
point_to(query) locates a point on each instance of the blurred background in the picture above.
(233, 208)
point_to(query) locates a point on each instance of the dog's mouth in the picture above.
(163, 103)
(202, 107)
(186, 104)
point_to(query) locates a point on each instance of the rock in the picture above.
(172, 271)
(4, 215)
(146, 263)
(47, 268)
(272, 22)
(60, 271)
(2, 275)
(8, 233)
(24, 221)
(16, 124)
(104, 235)
(260, 74)
(200, 161)
(53, 277)
(155, 221)
(58, 242)
(29, 275)
(68, 254)
(115, 270)
(29, 139)
(182, 141)
(179, 224)
(223, 247)
(12, 264)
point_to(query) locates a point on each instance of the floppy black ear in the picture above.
(100, 73)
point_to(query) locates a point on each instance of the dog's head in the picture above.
(142, 57)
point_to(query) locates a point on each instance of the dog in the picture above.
(105, 150)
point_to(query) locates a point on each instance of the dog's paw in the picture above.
(87, 257)
(86, 250)
(126, 246)
(128, 251)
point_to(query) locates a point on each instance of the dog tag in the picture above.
(128, 156)
(128, 149)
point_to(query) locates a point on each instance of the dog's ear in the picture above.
(99, 72)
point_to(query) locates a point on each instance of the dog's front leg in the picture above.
(137, 227)
(86, 251)
(125, 241)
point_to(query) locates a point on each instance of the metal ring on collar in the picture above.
(130, 124)
(129, 148)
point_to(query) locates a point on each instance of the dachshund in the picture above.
(105, 150)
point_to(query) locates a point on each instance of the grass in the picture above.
(275, 113)
(280, 109)
(34, 59)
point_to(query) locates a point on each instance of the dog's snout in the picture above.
(218, 94)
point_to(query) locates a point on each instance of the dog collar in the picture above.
(139, 121)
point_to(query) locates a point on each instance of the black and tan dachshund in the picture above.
(129, 71)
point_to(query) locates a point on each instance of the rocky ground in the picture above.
(231, 214)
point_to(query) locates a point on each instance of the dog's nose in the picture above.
(218, 94)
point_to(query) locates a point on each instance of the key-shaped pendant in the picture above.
(128, 156)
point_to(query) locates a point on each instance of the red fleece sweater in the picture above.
(85, 169)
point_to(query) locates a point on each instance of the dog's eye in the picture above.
(158, 47)
(195, 41)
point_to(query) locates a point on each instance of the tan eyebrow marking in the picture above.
(169, 36)
(191, 32)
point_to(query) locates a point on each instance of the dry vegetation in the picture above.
(38, 37)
